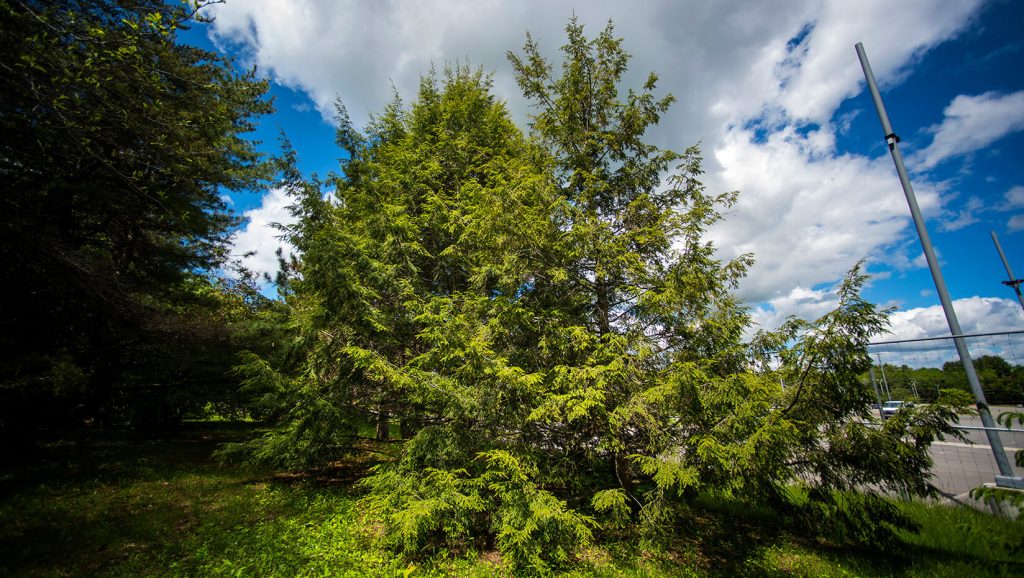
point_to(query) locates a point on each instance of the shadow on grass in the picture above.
(115, 455)
(124, 504)
(721, 537)
(77, 505)
(115, 503)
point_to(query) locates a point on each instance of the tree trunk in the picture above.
(624, 473)
(603, 306)
(383, 426)
(407, 427)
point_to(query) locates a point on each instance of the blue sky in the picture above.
(773, 92)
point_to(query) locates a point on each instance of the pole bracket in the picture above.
(1015, 482)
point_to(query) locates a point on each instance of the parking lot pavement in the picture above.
(961, 467)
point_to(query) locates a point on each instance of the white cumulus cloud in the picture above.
(783, 66)
(1015, 223)
(803, 303)
(1015, 202)
(259, 236)
(806, 213)
(975, 314)
(972, 123)
(991, 324)
(1014, 198)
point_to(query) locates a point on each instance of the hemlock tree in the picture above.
(579, 387)
(438, 204)
(116, 144)
(569, 349)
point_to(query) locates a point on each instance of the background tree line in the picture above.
(1002, 381)
(117, 143)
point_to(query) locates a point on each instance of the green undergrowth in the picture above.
(110, 505)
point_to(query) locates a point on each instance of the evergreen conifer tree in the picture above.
(564, 350)
(117, 143)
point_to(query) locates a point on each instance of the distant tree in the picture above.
(117, 144)
(1002, 382)
(930, 381)
(998, 380)
(955, 397)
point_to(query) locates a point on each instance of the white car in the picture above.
(891, 407)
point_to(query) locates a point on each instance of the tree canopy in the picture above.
(560, 345)
(1002, 381)
(117, 144)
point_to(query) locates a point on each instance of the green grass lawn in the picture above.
(110, 505)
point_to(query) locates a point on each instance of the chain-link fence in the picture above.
(922, 370)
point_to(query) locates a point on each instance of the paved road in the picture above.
(960, 467)
(963, 466)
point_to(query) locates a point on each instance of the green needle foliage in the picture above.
(556, 338)
(116, 146)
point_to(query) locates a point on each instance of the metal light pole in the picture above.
(1013, 282)
(933, 264)
(878, 395)
(885, 380)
